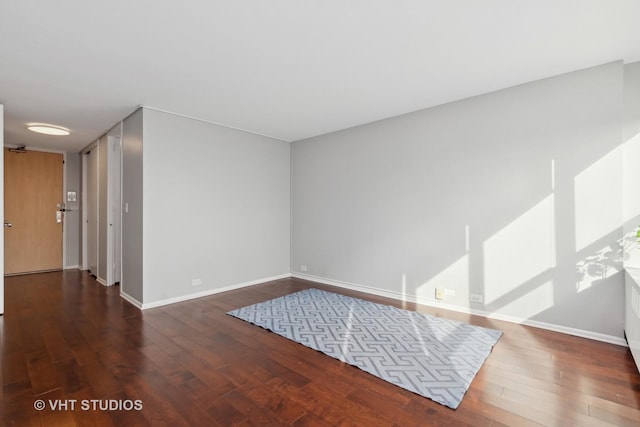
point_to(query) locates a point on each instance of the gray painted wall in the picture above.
(631, 100)
(514, 195)
(631, 138)
(131, 283)
(72, 217)
(216, 206)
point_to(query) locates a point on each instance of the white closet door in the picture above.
(114, 208)
(92, 211)
(103, 211)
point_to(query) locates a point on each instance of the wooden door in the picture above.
(32, 191)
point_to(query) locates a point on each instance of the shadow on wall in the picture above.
(559, 262)
(514, 196)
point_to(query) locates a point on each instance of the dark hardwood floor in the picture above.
(66, 338)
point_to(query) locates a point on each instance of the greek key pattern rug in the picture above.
(433, 357)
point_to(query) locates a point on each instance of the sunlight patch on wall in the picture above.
(631, 200)
(598, 198)
(520, 251)
(455, 276)
(631, 178)
(600, 265)
(403, 285)
(532, 303)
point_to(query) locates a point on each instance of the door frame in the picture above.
(62, 199)
(114, 205)
(85, 204)
(83, 217)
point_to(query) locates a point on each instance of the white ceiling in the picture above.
(290, 69)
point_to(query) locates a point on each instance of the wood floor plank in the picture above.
(171, 369)
(317, 399)
(14, 368)
(55, 414)
(64, 336)
(560, 408)
(311, 420)
(224, 412)
(10, 337)
(405, 413)
(128, 417)
(89, 417)
(285, 409)
(242, 403)
(615, 417)
(516, 414)
(101, 380)
(17, 404)
(71, 376)
(380, 396)
(31, 336)
(425, 413)
(156, 410)
(189, 411)
(54, 341)
(81, 351)
(41, 372)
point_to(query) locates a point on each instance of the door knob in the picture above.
(8, 224)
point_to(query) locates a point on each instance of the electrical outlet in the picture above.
(439, 293)
(475, 298)
(303, 268)
(196, 282)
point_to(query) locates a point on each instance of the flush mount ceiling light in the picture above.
(48, 129)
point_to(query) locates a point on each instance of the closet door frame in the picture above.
(90, 212)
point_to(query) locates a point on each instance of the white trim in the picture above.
(101, 281)
(114, 171)
(611, 339)
(86, 263)
(291, 188)
(208, 292)
(83, 214)
(213, 123)
(2, 210)
(64, 214)
(131, 300)
(91, 146)
(72, 267)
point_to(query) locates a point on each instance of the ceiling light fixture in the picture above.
(48, 129)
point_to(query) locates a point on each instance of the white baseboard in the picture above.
(611, 339)
(72, 267)
(101, 281)
(208, 292)
(131, 299)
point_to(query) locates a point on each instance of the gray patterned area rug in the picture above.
(433, 357)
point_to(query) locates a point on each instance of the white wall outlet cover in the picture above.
(475, 298)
